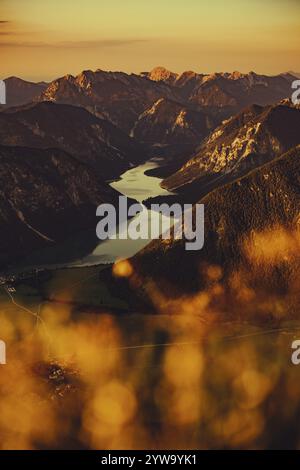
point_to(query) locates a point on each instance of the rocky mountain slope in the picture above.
(240, 144)
(46, 195)
(170, 122)
(95, 141)
(250, 259)
(238, 90)
(123, 98)
(226, 90)
(116, 96)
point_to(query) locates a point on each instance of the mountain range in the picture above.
(123, 98)
(210, 130)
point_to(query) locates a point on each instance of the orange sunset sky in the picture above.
(41, 40)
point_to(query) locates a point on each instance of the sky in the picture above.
(42, 40)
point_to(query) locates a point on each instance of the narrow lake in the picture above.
(134, 184)
(84, 249)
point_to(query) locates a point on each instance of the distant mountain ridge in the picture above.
(234, 89)
(19, 92)
(126, 99)
(138, 104)
(112, 95)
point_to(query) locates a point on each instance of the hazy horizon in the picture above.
(94, 69)
(46, 40)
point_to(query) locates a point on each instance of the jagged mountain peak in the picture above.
(122, 97)
(160, 73)
(69, 77)
(236, 75)
(116, 96)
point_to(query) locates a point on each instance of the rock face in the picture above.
(251, 251)
(46, 195)
(122, 98)
(240, 90)
(170, 122)
(227, 90)
(116, 96)
(97, 142)
(240, 144)
(20, 92)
